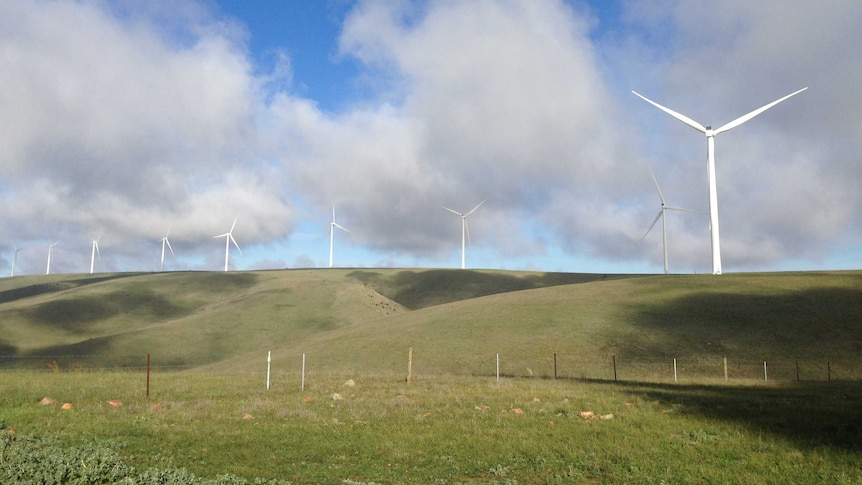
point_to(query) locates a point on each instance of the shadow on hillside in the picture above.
(810, 414)
(812, 323)
(43, 288)
(425, 288)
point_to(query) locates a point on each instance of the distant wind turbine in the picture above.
(50, 253)
(95, 253)
(228, 238)
(332, 226)
(14, 259)
(166, 242)
(465, 231)
(663, 214)
(710, 163)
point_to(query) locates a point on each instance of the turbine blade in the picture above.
(333, 212)
(744, 118)
(680, 209)
(169, 245)
(452, 211)
(474, 208)
(467, 231)
(657, 216)
(232, 225)
(234, 243)
(340, 227)
(660, 195)
(685, 119)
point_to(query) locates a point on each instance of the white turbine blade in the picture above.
(169, 245)
(657, 216)
(98, 253)
(234, 243)
(467, 231)
(680, 209)
(232, 226)
(660, 194)
(452, 211)
(221, 235)
(474, 208)
(333, 212)
(743, 119)
(685, 119)
(340, 227)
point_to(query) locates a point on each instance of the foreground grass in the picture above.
(448, 429)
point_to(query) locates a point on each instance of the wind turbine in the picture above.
(50, 253)
(710, 162)
(465, 232)
(95, 253)
(168, 243)
(332, 226)
(663, 214)
(228, 238)
(14, 259)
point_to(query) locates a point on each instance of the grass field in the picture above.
(451, 429)
(83, 339)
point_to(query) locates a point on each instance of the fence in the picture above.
(613, 368)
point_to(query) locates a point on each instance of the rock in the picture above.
(114, 403)
(247, 416)
(47, 401)
(586, 414)
(349, 383)
(336, 396)
(66, 406)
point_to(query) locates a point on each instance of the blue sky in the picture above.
(123, 120)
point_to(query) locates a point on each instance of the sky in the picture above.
(127, 121)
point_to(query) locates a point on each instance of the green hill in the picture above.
(455, 320)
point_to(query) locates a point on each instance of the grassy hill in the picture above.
(455, 320)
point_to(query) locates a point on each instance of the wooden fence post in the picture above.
(614, 358)
(410, 365)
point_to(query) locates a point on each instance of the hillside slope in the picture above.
(360, 319)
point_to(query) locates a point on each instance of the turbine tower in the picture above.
(50, 253)
(14, 259)
(465, 231)
(710, 163)
(228, 238)
(167, 243)
(95, 252)
(663, 214)
(332, 226)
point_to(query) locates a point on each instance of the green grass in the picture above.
(456, 423)
(450, 429)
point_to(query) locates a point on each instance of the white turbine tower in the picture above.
(14, 258)
(663, 214)
(332, 226)
(465, 231)
(228, 238)
(95, 253)
(50, 253)
(166, 242)
(710, 163)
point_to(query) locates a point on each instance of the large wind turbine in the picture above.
(228, 238)
(710, 163)
(95, 252)
(167, 243)
(50, 253)
(465, 232)
(663, 214)
(332, 226)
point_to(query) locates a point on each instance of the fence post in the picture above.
(674, 370)
(148, 376)
(498, 367)
(302, 382)
(555, 365)
(268, 366)
(614, 358)
(410, 365)
(725, 368)
(797, 371)
(828, 372)
(765, 377)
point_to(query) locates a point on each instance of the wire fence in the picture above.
(613, 368)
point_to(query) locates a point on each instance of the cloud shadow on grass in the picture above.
(809, 414)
